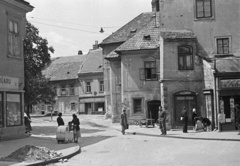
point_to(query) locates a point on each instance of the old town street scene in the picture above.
(119, 83)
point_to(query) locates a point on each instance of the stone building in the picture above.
(91, 90)
(12, 33)
(186, 57)
(63, 74)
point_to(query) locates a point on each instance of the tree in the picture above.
(37, 56)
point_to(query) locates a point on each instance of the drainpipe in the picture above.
(217, 125)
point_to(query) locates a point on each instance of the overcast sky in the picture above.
(72, 25)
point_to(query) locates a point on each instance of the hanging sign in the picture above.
(8, 82)
(234, 83)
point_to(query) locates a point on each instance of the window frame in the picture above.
(72, 90)
(143, 72)
(20, 106)
(229, 44)
(212, 10)
(1, 112)
(88, 87)
(134, 106)
(63, 88)
(12, 37)
(184, 55)
(101, 86)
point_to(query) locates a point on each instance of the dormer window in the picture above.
(147, 37)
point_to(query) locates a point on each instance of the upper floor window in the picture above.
(149, 71)
(101, 86)
(72, 90)
(204, 9)
(88, 87)
(223, 46)
(63, 91)
(185, 58)
(13, 39)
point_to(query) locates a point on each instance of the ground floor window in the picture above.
(14, 114)
(73, 106)
(99, 107)
(137, 105)
(1, 110)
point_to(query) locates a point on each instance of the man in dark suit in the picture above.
(162, 120)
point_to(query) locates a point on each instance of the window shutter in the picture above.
(142, 74)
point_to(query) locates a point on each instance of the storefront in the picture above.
(11, 109)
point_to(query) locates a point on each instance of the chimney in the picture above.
(80, 52)
(155, 5)
(95, 46)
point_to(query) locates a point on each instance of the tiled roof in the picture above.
(64, 68)
(24, 2)
(228, 65)
(93, 62)
(128, 30)
(112, 54)
(146, 38)
(177, 34)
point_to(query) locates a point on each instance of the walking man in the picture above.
(162, 120)
(124, 122)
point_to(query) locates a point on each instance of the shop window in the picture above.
(185, 58)
(149, 71)
(72, 90)
(101, 86)
(88, 87)
(137, 105)
(204, 9)
(14, 109)
(13, 39)
(1, 110)
(223, 46)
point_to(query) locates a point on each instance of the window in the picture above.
(73, 106)
(204, 9)
(13, 39)
(101, 86)
(88, 87)
(137, 105)
(63, 91)
(185, 58)
(149, 71)
(72, 90)
(14, 109)
(223, 46)
(1, 110)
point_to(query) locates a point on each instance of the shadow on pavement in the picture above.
(86, 141)
(51, 130)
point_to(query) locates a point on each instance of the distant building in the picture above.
(91, 90)
(63, 74)
(12, 33)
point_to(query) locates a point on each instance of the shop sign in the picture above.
(8, 82)
(234, 83)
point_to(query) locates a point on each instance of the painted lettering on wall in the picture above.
(234, 83)
(9, 82)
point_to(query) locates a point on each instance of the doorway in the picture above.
(181, 100)
(153, 107)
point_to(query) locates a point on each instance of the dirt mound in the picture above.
(32, 153)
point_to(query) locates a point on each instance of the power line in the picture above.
(72, 23)
(67, 28)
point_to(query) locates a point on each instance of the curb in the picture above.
(179, 137)
(54, 160)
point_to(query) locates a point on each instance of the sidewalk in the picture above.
(201, 135)
(7, 147)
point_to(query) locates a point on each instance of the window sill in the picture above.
(205, 19)
(223, 55)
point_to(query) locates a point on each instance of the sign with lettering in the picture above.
(233, 83)
(8, 82)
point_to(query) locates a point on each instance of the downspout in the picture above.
(217, 125)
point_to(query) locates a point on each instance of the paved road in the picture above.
(105, 146)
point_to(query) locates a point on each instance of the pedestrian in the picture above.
(162, 120)
(124, 121)
(238, 118)
(184, 118)
(27, 122)
(194, 118)
(76, 128)
(60, 120)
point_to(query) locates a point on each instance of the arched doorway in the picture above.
(183, 99)
(152, 112)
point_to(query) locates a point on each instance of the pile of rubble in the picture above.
(32, 153)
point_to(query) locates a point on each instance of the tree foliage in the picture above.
(37, 56)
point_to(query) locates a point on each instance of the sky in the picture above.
(73, 25)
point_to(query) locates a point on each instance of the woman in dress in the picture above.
(76, 128)
(123, 121)
(184, 119)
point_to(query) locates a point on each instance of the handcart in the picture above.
(64, 134)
